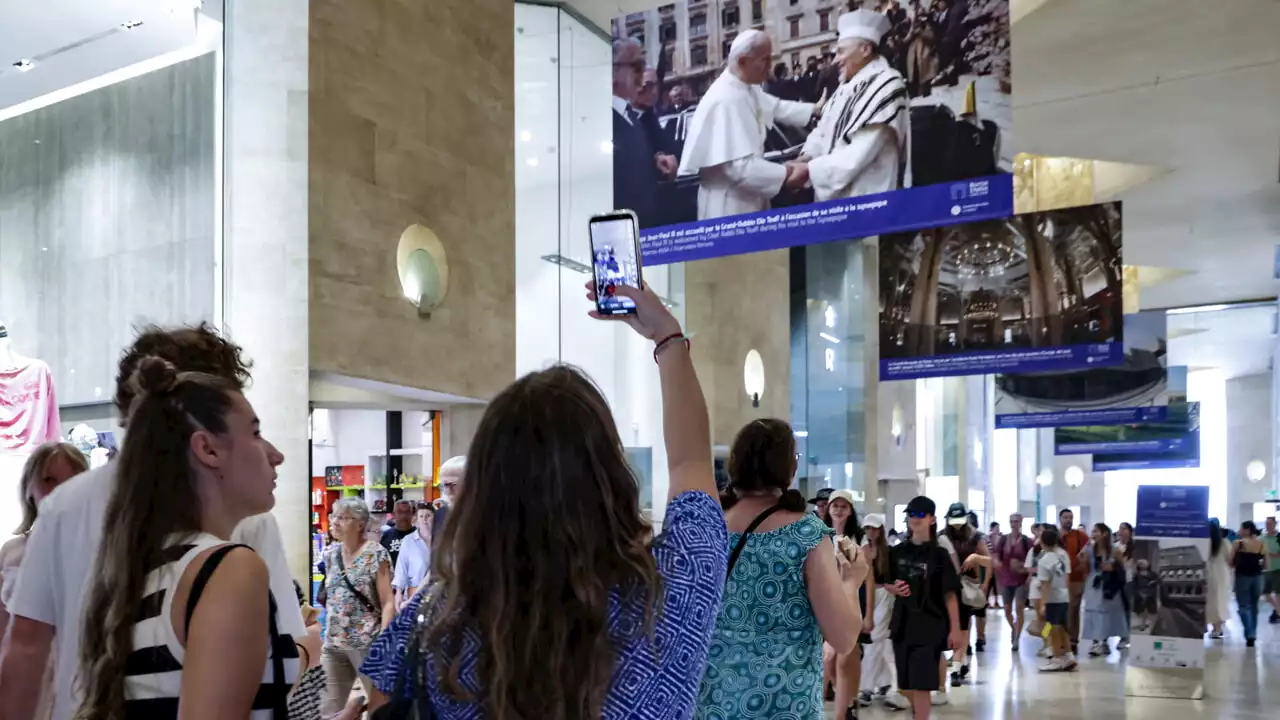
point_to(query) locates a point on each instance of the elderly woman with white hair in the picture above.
(361, 601)
(451, 474)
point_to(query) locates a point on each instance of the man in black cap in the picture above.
(819, 501)
(926, 616)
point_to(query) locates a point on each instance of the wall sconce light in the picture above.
(1074, 477)
(753, 377)
(895, 424)
(1255, 471)
(423, 269)
(1045, 478)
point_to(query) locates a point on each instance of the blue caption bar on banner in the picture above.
(1172, 511)
(1082, 418)
(1122, 446)
(984, 198)
(1107, 463)
(1019, 360)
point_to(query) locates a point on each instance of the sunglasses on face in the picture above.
(918, 515)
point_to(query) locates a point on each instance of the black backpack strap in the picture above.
(742, 541)
(211, 563)
(278, 680)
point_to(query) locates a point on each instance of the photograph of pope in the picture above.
(716, 119)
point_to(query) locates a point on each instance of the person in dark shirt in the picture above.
(926, 616)
(392, 536)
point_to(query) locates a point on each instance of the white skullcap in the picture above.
(744, 43)
(863, 25)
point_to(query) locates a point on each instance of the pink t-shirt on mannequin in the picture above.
(28, 407)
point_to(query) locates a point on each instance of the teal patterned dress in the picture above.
(766, 654)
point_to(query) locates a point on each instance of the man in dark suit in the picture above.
(638, 162)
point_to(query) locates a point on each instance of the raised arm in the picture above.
(685, 426)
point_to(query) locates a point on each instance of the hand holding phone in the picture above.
(651, 319)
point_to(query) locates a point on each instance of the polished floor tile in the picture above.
(1240, 684)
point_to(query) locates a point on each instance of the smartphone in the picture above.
(615, 259)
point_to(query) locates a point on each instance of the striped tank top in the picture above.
(153, 671)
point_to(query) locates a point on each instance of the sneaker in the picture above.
(1275, 617)
(956, 678)
(896, 701)
(939, 698)
(1044, 652)
(851, 713)
(1248, 642)
(1099, 649)
(1053, 665)
(864, 698)
(1216, 635)
(1069, 660)
(1123, 644)
(1014, 647)
(980, 645)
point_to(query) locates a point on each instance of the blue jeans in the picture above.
(1248, 590)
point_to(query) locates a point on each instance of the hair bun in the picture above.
(155, 375)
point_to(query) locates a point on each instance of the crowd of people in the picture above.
(537, 588)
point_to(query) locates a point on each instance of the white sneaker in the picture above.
(1053, 665)
(1099, 649)
(896, 701)
(940, 699)
(1044, 652)
(1069, 660)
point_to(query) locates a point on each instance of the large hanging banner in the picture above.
(1038, 292)
(1136, 390)
(1168, 591)
(747, 126)
(1169, 445)
(1172, 436)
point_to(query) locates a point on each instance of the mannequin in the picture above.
(8, 359)
(28, 405)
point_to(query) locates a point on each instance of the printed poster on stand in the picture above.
(1168, 591)
(1136, 390)
(1037, 292)
(1173, 435)
(750, 126)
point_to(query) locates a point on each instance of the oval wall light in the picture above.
(1255, 471)
(1074, 477)
(753, 376)
(423, 268)
(1045, 478)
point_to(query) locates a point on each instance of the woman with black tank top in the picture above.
(183, 618)
(1249, 561)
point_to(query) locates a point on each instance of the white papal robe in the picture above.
(725, 146)
(863, 140)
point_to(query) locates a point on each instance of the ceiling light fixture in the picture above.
(131, 24)
(525, 136)
(532, 162)
(24, 64)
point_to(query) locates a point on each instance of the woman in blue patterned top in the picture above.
(788, 590)
(553, 600)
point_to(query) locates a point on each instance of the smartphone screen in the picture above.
(615, 260)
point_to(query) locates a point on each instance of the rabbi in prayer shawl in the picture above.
(725, 145)
(862, 143)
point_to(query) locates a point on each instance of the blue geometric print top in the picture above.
(766, 656)
(691, 554)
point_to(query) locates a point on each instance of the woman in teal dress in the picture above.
(788, 589)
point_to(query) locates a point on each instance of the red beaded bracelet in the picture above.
(664, 342)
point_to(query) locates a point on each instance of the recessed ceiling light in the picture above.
(130, 24)
(533, 162)
(25, 64)
(525, 136)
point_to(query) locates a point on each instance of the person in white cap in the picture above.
(877, 662)
(862, 143)
(725, 144)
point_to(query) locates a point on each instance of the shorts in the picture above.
(1057, 613)
(1271, 583)
(1014, 596)
(1145, 604)
(917, 666)
(967, 614)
